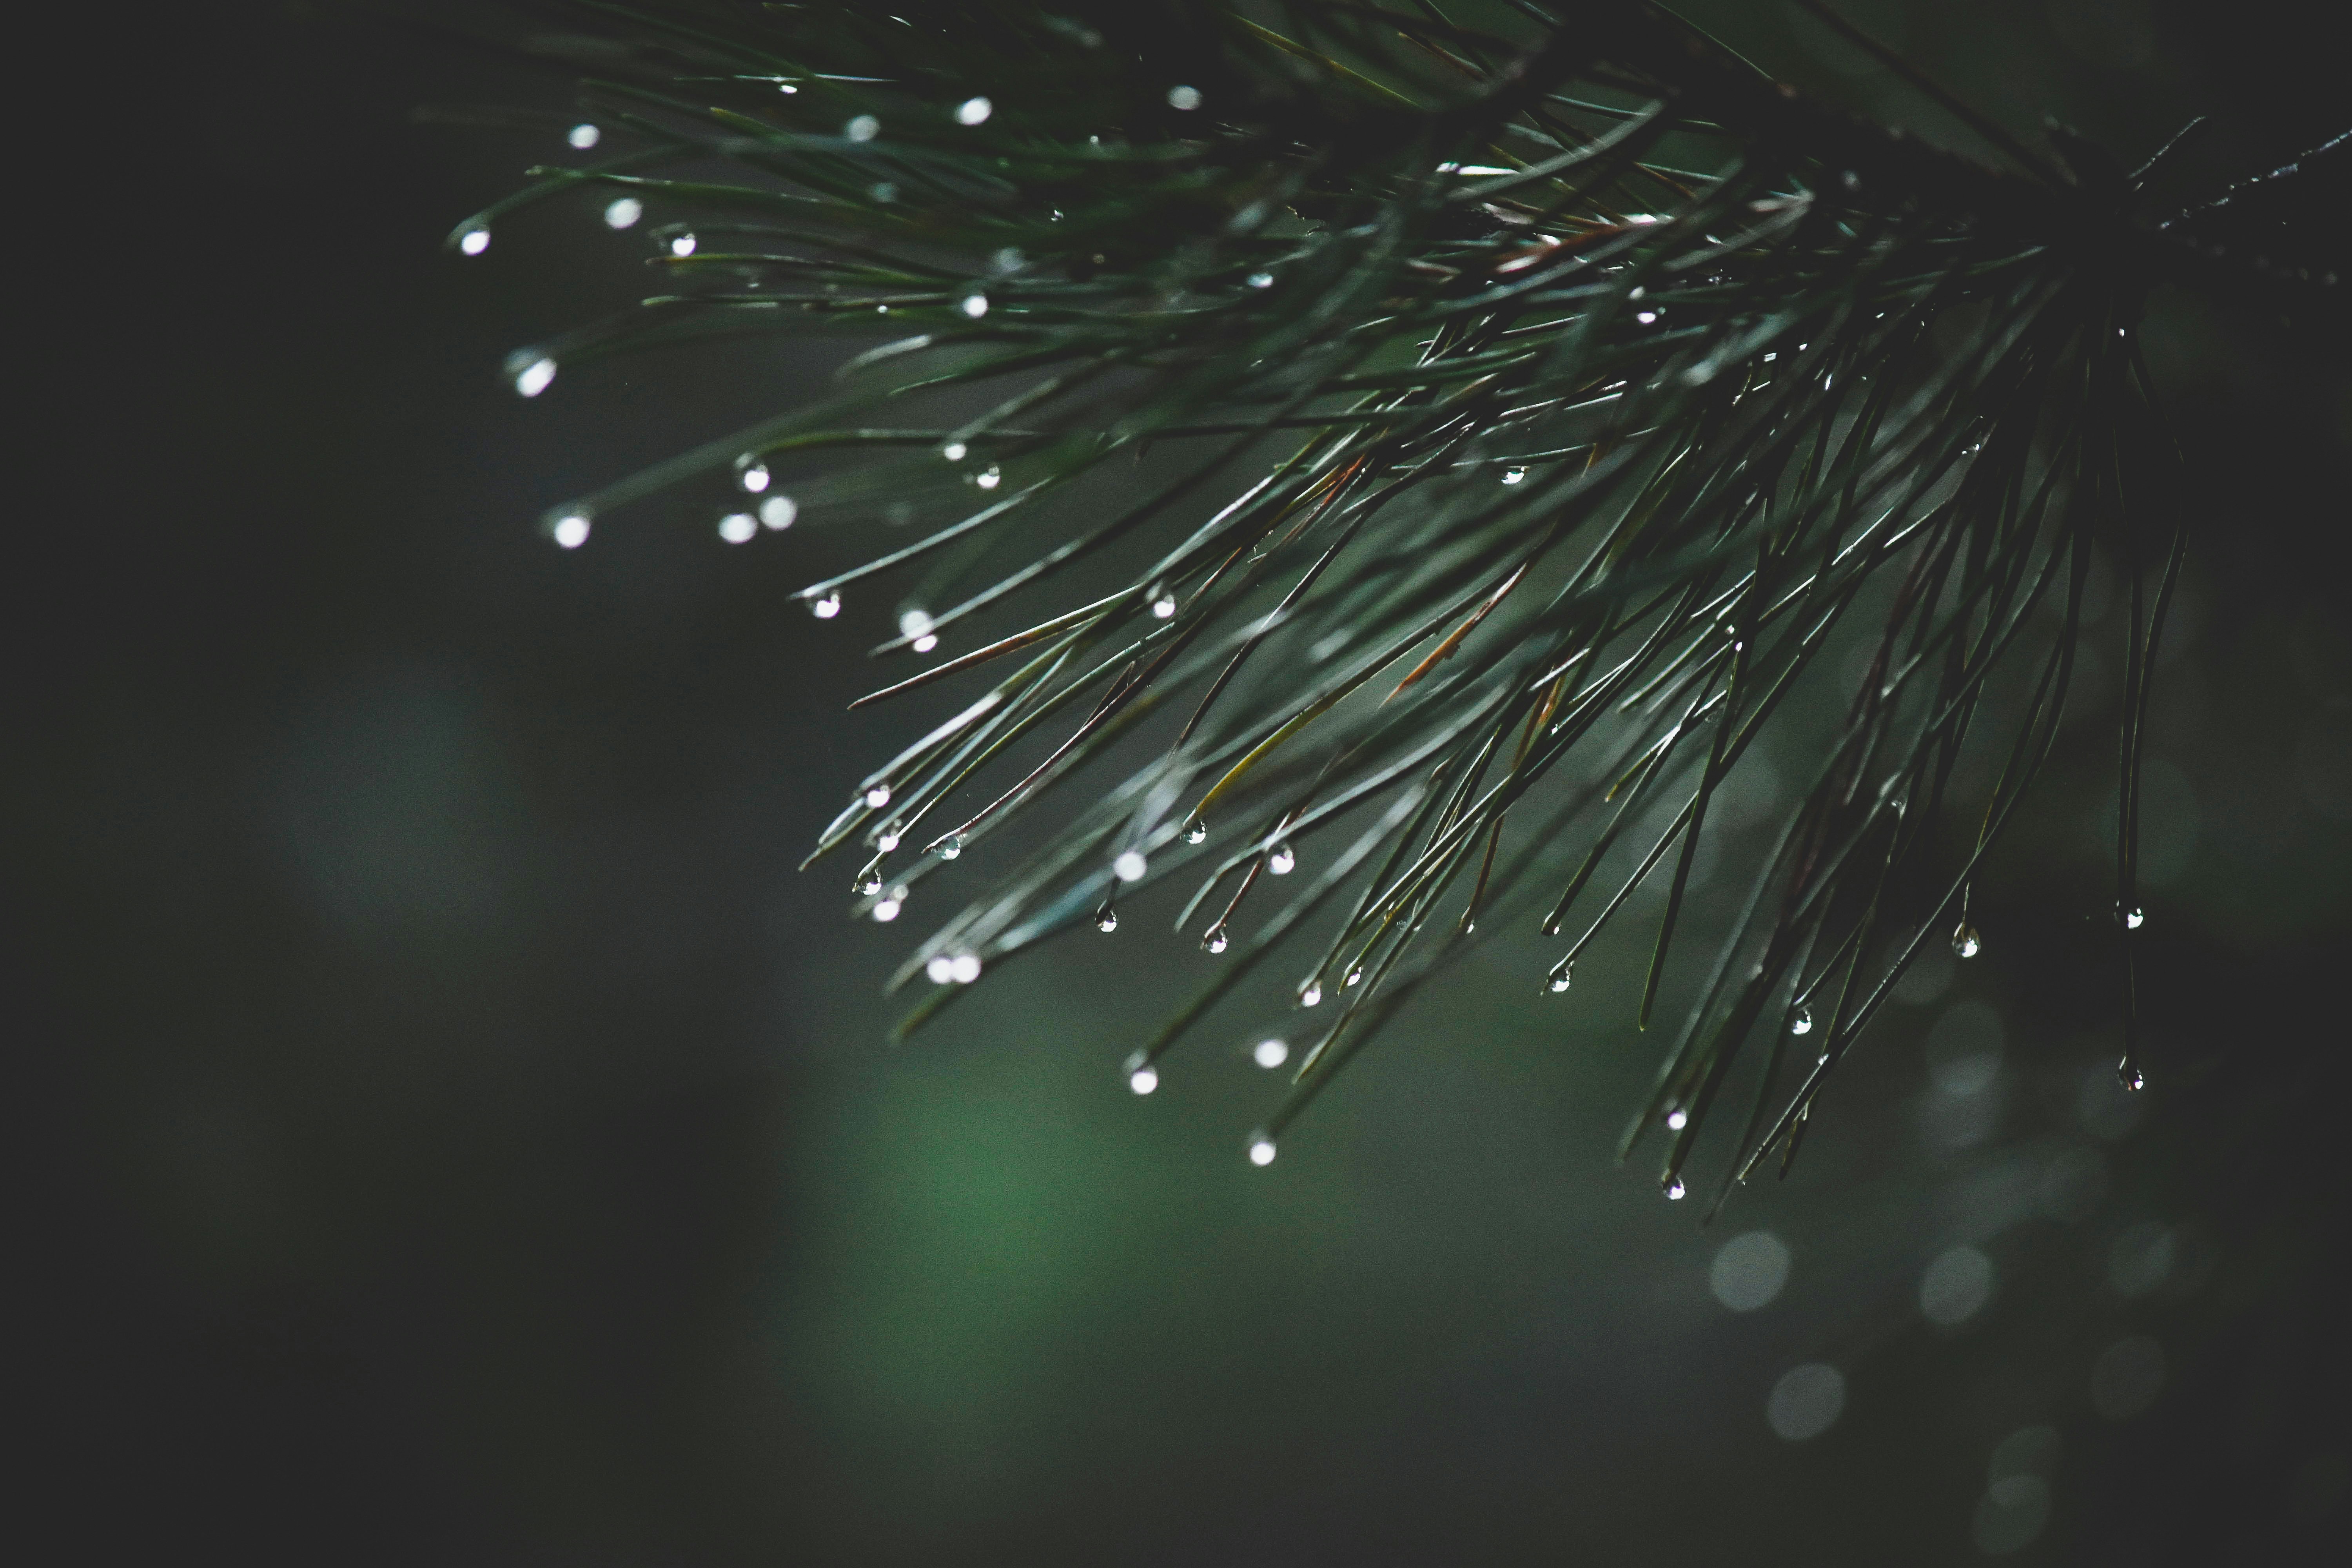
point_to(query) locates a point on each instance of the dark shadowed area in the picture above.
(457, 1134)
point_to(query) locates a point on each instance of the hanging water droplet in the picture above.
(974, 306)
(681, 244)
(1310, 993)
(1677, 1118)
(1646, 316)
(1106, 920)
(1281, 861)
(1514, 476)
(1143, 1079)
(2134, 917)
(973, 111)
(1560, 981)
(1261, 1150)
(1674, 1189)
(878, 796)
(914, 622)
(474, 241)
(1213, 939)
(954, 451)
(1355, 976)
(1129, 866)
(737, 527)
(622, 212)
(778, 513)
(925, 643)
(940, 969)
(1188, 97)
(869, 881)
(2128, 1073)
(824, 609)
(1196, 830)
(1800, 1022)
(535, 378)
(889, 842)
(585, 136)
(1163, 605)
(988, 478)
(965, 969)
(1965, 943)
(754, 478)
(950, 847)
(1261, 279)
(571, 529)
(1270, 1054)
(864, 128)
(887, 910)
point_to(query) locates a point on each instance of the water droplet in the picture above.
(1646, 316)
(681, 245)
(824, 609)
(865, 128)
(1214, 940)
(1965, 943)
(965, 969)
(1270, 1054)
(474, 241)
(1560, 981)
(954, 451)
(1281, 861)
(737, 527)
(585, 136)
(950, 847)
(1143, 1079)
(887, 910)
(1164, 605)
(1355, 976)
(1674, 1189)
(535, 378)
(1106, 920)
(925, 643)
(2128, 1073)
(888, 841)
(988, 478)
(1800, 1022)
(754, 477)
(1261, 279)
(2134, 918)
(878, 796)
(942, 969)
(1677, 1120)
(1310, 993)
(1189, 98)
(914, 622)
(973, 111)
(1196, 830)
(1129, 866)
(974, 306)
(624, 212)
(1261, 1150)
(571, 530)
(778, 512)
(869, 881)
(1513, 476)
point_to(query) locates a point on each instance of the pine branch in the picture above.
(1546, 405)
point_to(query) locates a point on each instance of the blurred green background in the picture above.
(457, 1135)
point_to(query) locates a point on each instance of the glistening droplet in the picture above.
(1270, 1054)
(1215, 940)
(864, 128)
(1261, 279)
(1129, 866)
(778, 512)
(585, 136)
(622, 212)
(1261, 1150)
(1677, 1118)
(1800, 1022)
(1164, 605)
(1143, 1079)
(681, 245)
(1106, 920)
(737, 527)
(474, 241)
(1195, 831)
(1965, 943)
(1189, 98)
(973, 111)
(1674, 1189)
(571, 530)
(1513, 476)
(824, 609)
(2128, 1073)
(754, 477)
(878, 796)
(948, 849)
(1310, 993)
(940, 969)
(2134, 918)
(1282, 860)
(974, 306)
(535, 378)
(1560, 981)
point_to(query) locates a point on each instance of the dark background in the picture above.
(454, 1133)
